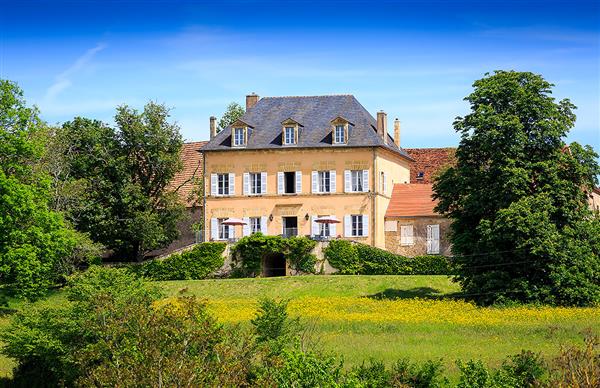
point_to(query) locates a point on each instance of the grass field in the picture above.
(389, 317)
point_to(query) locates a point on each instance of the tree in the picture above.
(122, 177)
(37, 248)
(517, 197)
(233, 112)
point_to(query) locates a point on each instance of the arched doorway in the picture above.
(274, 264)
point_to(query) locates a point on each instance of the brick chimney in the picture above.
(382, 125)
(397, 132)
(251, 100)
(213, 127)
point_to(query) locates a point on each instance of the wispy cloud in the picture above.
(64, 79)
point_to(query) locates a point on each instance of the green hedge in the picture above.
(197, 263)
(352, 259)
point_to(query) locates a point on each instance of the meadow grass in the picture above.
(385, 317)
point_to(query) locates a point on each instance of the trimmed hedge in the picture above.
(352, 259)
(197, 263)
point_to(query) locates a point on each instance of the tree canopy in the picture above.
(517, 197)
(233, 112)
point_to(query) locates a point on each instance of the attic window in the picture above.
(289, 135)
(238, 136)
(420, 175)
(340, 134)
(339, 130)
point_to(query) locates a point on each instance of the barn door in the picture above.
(433, 239)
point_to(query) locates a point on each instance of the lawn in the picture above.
(388, 317)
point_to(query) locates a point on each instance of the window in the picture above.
(255, 183)
(238, 136)
(383, 182)
(406, 235)
(223, 184)
(255, 225)
(340, 134)
(357, 225)
(289, 135)
(433, 239)
(324, 182)
(324, 230)
(223, 229)
(289, 179)
(357, 180)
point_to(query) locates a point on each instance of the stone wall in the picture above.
(392, 238)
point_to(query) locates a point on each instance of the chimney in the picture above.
(251, 100)
(382, 125)
(213, 127)
(397, 132)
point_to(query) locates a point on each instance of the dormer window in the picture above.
(289, 135)
(340, 134)
(238, 137)
(339, 130)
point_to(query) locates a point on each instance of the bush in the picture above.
(250, 251)
(198, 263)
(350, 259)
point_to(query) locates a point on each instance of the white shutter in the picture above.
(332, 230)
(214, 229)
(365, 219)
(231, 183)
(280, 182)
(213, 184)
(406, 235)
(365, 180)
(332, 181)
(347, 226)
(298, 182)
(315, 182)
(384, 177)
(263, 225)
(314, 226)
(410, 235)
(263, 183)
(246, 183)
(246, 228)
(347, 181)
(231, 229)
(433, 239)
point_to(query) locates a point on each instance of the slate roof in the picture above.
(191, 157)
(411, 200)
(315, 114)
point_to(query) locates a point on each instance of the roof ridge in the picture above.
(320, 95)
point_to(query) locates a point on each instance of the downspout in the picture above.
(204, 238)
(374, 194)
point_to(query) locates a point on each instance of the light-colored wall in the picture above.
(397, 170)
(392, 238)
(305, 160)
(594, 201)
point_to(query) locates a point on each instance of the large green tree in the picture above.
(233, 112)
(119, 179)
(517, 197)
(37, 248)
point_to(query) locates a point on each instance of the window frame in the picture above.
(356, 181)
(322, 179)
(255, 183)
(242, 136)
(292, 140)
(223, 184)
(342, 129)
(222, 229)
(255, 224)
(357, 225)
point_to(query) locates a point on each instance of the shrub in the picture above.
(197, 263)
(342, 255)
(272, 322)
(425, 375)
(296, 368)
(430, 265)
(578, 367)
(250, 251)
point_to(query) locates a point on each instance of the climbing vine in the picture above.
(250, 251)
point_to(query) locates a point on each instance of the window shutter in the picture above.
(246, 228)
(263, 183)
(332, 230)
(347, 225)
(298, 182)
(410, 234)
(263, 225)
(384, 177)
(347, 181)
(246, 183)
(315, 182)
(365, 220)
(280, 183)
(403, 235)
(296, 135)
(213, 184)
(365, 180)
(314, 226)
(332, 181)
(214, 229)
(231, 183)
(231, 229)
(435, 241)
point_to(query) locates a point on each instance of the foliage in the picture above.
(578, 367)
(114, 182)
(251, 250)
(402, 374)
(233, 112)
(197, 263)
(273, 326)
(352, 259)
(296, 368)
(517, 197)
(37, 248)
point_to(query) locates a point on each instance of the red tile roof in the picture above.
(192, 167)
(411, 200)
(429, 161)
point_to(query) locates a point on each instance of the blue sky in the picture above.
(414, 59)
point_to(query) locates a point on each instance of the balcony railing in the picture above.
(290, 232)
